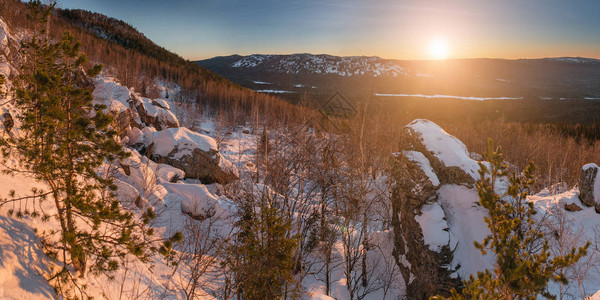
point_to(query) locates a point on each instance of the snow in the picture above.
(5, 69)
(167, 173)
(595, 296)
(182, 139)
(447, 148)
(4, 36)
(580, 226)
(162, 103)
(419, 74)
(22, 262)
(575, 60)
(434, 226)
(110, 92)
(424, 164)
(465, 220)
(196, 199)
(275, 91)
(260, 82)
(250, 61)
(448, 97)
(164, 115)
(151, 109)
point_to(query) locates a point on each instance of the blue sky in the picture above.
(402, 29)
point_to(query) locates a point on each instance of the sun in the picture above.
(438, 48)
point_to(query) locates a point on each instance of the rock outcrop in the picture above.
(435, 215)
(118, 102)
(194, 153)
(589, 186)
(155, 113)
(424, 256)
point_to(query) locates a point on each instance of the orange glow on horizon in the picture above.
(438, 48)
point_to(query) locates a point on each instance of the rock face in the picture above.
(589, 186)
(435, 215)
(424, 267)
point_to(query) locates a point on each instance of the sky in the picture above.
(395, 29)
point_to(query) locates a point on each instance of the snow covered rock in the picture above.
(447, 154)
(423, 245)
(155, 113)
(130, 109)
(435, 216)
(196, 201)
(7, 56)
(3, 36)
(117, 99)
(589, 186)
(194, 153)
(7, 41)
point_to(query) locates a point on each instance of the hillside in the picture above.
(123, 34)
(138, 62)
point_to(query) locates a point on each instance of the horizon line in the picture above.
(400, 59)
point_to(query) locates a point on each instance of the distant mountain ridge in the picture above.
(298, 74)
(322, 64)
(575, 60)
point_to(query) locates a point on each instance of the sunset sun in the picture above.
(438, 48)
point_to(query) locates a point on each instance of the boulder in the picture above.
(118, 102)
(589, 186)
(572, 207)
(196, 200)
(154, 113)
(194, 153)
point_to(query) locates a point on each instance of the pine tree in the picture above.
(524, 265)
(65, 139)
(263, 260)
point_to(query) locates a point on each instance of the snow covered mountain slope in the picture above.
(322, 64)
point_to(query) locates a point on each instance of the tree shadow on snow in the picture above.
(21, 253)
